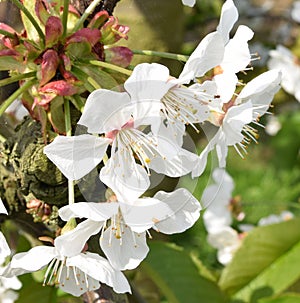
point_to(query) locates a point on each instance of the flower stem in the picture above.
(86, 13)
(111, 66)
(7, 34)
(69, 133)
(26, 12)
(161, 54)
(15, 95)
(16, 78)
(65, 17)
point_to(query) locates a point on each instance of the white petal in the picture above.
(72, 242)
(260, 91)
(127, 252)
(208, 54)
(185, 211)
(216, 198)
(12, 283)
(99, 269)
(237, 55)
(78, 285)
(200, 165)
(4, 248)
(180, 165)
(105, 111)
(127, 179)
(148, 82)
(91, 210)
(189, 3)
(229, 16)
(226, 85)
(2, 208)
(142, 214)
(34, 259)
(76, 156)
(234, 121)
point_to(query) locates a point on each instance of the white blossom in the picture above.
(124, 226)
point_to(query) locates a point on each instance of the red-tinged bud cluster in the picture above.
(57, 56)
(39, 210)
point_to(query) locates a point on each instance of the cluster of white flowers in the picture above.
(218, 217)
(140, 129)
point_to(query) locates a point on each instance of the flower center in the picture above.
(185, 105)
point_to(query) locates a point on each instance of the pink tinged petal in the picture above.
(41, 11)
(2, 208)
(9, 52)
(90, 35)
(189, 3)
(49, 66)
(76, 156)
(34, 259)
(4, 248)
(59, 88)
(260, 91)
(229, 15)
(148, 82)
(99, 19)
(127, 254)
(6, 28)
(72, 242)
(127, 179)
(118, 55)
(143, 214)
(67, 62)
(105, 111)
(98, 268)
(53, 30)
(208, 54)
(101, 211)
(185, 211)
(79, 284)
(237, 55)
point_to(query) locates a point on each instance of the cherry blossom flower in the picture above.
(227, 241)
(227, 56)
(124, 226)
(122, 123)
(216, 198)
(252, 103)
(283, 59)
(75, 275)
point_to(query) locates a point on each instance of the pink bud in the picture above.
(85, 35)
(49, 66)
(54, 30)
(41, 11)
(99, 19)
(112, 31)
(60, 88)
(119, 55)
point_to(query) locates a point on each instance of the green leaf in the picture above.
(104, 79)
(286, 298)
(265, 251)
(276, 278)
(57, 117)
(177, 276)
(10, 63)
